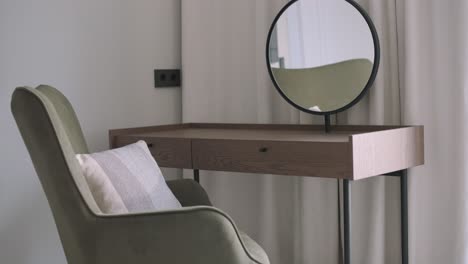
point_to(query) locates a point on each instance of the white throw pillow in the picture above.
(127, 180)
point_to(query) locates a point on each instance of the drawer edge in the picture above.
(387, 151)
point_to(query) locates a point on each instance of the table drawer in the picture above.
(168, 152)
(316, 159)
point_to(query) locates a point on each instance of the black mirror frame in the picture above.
(372, 77)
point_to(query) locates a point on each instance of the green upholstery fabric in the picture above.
(189, 192)
(67, 117)
(197, 234)
(255, 249)
(329, 87)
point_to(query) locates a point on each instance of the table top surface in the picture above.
(248, 134)
(300, 133)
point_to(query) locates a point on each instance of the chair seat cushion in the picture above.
(127, 180)
(255, 250)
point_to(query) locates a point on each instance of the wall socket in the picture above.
(167, 78)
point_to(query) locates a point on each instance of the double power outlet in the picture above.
(167, 78)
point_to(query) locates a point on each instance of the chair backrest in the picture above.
(67, 117)
(330, 87)
(52, 135)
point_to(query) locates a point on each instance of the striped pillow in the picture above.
(127, 180)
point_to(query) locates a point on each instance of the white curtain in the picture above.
(434, 85)
(420, 81)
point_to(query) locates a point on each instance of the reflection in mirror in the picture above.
(321, 54)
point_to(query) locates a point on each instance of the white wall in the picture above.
(101, 54)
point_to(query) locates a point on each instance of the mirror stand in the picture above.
(327, 123)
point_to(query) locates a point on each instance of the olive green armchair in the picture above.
(197, 233)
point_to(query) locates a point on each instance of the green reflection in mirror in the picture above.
(321, 89)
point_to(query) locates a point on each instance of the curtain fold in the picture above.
(434, 93)
(421, 81)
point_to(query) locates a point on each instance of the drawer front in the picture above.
(316, 159)
(168, 152)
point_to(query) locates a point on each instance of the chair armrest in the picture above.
(189, 192)
(196, 235)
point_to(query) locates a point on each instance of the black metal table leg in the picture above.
(347, 221)
(404, 216)
(196, 175)
(403, 174)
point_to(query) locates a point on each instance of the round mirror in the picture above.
(322, 55)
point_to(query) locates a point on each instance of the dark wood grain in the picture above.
(350, 152)
(288, 127)
(171, 153)
(114, 133)
(314, 159)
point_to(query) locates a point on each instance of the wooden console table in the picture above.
(347, 152)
